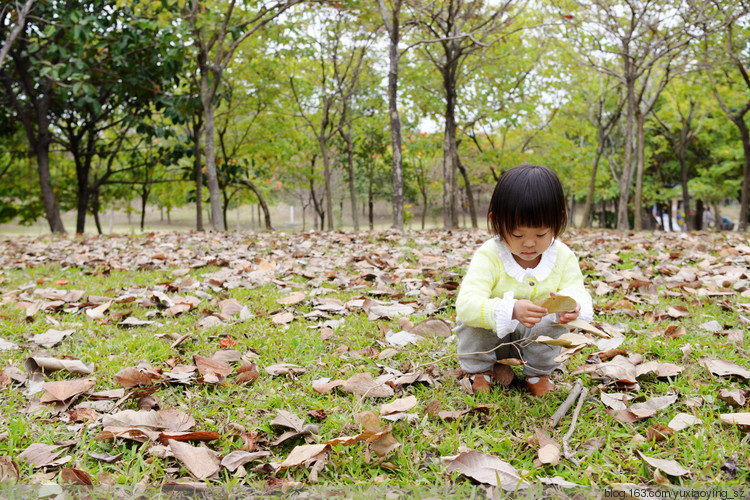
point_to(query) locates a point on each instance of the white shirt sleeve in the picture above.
(504, 322)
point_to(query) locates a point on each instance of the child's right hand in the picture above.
(528, 313)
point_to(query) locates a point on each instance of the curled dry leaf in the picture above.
(246, 373)
(38, 363)
(734, 397)
(238, 458)
(724, 368)
(486, 469)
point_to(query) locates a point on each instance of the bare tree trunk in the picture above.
(214, 192)
(198, 169)
(450, 220)
(585, 219)
(469, 194)
(745, 196)
(641, 158)
(261, 202)
(627, 168)
(392, 26)
(350, 165)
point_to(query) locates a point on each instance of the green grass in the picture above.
(507, 431)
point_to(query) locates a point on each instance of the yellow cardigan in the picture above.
(494, 281)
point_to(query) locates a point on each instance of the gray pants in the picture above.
(539, 359)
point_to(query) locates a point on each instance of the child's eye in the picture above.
(541, 235)
(517, 235)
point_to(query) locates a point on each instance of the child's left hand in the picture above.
(567, 317)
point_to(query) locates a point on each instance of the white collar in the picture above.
(540, 273)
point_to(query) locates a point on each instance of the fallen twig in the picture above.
(563, 409)
(566, 445)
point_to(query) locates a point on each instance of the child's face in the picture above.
(527, 244)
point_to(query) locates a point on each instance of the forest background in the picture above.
(338, 108)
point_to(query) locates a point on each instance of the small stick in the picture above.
(566, 445)
(563, 409)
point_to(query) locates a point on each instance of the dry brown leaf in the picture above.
(399, 406)
(669, 467)
(724, 368)
(238, 458)
(432, 326)
(207, 366)
(246, 373)
(651, 406)
(43, 455)
(66, 389)
(9, 470)
(293, 298)
(683, 421)
(132, 377)
(658, 432)
(303, 454)
(39, 363)
(51, 337)
(282, 318)
(739, 419)
(660, 369)
(620, 369)
(486, 469)
(75, 476)
(98, 312)
(363, 385)
(200, 461)
(558, 304)
(735, 397)
(283, 369)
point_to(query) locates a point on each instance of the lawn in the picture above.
(288, 363)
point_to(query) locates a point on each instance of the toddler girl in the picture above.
(524, 263)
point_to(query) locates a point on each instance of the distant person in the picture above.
(708, 219)
(523, 263)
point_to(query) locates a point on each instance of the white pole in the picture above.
(291, 214)
(238, 217)
(111, 220)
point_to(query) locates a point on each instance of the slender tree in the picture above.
(217, 35)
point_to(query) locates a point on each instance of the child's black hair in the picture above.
(527, 195)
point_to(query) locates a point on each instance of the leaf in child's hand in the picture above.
(558, 304)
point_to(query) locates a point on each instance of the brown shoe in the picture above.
(503, 374)
(539, 386)
(480, 384)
